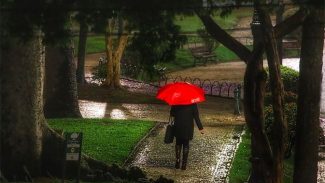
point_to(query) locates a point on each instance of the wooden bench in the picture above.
(291, 44)
(202, 55)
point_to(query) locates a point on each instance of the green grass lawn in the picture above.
(184, 59)
(191, 23)
(95, 44)
(241, 166)
(107, 140)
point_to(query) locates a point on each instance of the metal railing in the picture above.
(213, 88)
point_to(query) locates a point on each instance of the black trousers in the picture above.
(184, 142)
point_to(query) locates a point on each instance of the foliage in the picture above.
(156, 40)
(290, 111)
(290, 79)
(289, 97)
(100, 71)
(25, 17)
(107, 140)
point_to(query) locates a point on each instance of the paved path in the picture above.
(209, 158)
(210, 154)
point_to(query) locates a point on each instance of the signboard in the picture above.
(73, 148)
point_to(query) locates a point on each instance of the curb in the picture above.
(140, 143)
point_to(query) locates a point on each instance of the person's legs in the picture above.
(178, 149)
(186, 148)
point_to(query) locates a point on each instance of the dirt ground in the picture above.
(230, 71)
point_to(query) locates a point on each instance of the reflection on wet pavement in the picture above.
(155, 112)
(91, 109)
(209, 159)
(117, 114)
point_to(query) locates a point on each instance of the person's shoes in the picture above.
(178, 149)
(185, 156)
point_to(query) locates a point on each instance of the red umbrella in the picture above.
(180, 93)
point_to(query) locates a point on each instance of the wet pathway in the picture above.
(210, 155)
(209, 158)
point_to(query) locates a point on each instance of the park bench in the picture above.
(202, 55)
(291, 44)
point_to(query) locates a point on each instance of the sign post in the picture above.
(73, 142)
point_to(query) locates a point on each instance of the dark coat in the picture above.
(184, 124)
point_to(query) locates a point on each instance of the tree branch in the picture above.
(224, 38)
(290, 24)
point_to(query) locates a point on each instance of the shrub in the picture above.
(100, 71)
(289, 97)
(290, 79)
(290, 113)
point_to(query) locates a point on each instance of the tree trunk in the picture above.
(278, 20)
(290, 24)
(223, 37)
(254, 86)
(21, 118)
(114, 54)
(61, 97)
(109, 54)
(82, 51)
(117, 59)
(279, 127)
(310, 77)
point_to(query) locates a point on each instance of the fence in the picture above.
(213, 88)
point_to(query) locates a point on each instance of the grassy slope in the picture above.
(241, 166)
(107, 140)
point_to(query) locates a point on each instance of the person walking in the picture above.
(184, 117)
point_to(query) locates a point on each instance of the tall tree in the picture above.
(155, 41)
(114, 49)
(266, 165)
(22, 111)
(83, 17)
(279, 129)
(83, 34)
(23, 126)
(310, 77)
(61, 96)
(278, 19)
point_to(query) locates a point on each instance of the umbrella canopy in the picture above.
(180, 93)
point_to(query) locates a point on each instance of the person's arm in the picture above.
(197, 119)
